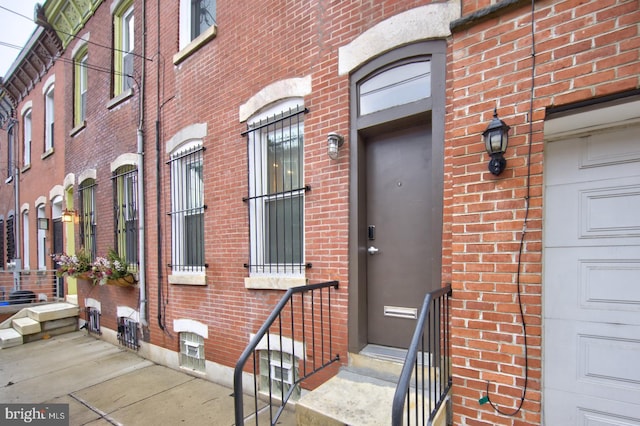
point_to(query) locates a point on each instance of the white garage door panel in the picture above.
(591, 282)
(577, 409)
(593, 213)
(594, 359)
(583, 159)
(594, 282)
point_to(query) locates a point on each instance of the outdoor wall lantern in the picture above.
(496, 139)
(67, 215)
(335, 141)
(43, 223)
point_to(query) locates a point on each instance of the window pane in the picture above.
(284, 230)
(194, 184)
(203, 15)
(284, 157)
(194, 239)
(396, 86)
(49, 117)
(127, 49)
(27, 138)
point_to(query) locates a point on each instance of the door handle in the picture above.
(373, 250)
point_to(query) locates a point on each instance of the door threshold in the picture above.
(387, 353)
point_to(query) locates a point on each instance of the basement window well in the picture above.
(192, 352)
(278, 374)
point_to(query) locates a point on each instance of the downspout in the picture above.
(158, 174)
(142, 280)
(17, 216)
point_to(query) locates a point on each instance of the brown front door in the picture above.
(400, 232)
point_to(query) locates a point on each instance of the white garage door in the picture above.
(591, 283)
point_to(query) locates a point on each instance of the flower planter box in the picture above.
(127, 281)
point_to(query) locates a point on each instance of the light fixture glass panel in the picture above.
(396, 86)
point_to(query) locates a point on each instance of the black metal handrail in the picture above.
(319, 327)
(427, 363)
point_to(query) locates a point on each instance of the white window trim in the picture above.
(191, 326)
(49, 109)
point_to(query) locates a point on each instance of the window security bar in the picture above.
(93, 320)
(88, 216)
(276, 193)
(125, 184)
(128, 333)
(187, 210)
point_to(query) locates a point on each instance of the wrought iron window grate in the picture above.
(128, 333)
(93, 320)
(276, 193)
(87, 192)
(187, 209)
(11, 244)
(125, 191)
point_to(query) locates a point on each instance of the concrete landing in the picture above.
(347, 399)
(53, 311)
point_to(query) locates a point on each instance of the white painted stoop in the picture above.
(38, 322)
(360, 394)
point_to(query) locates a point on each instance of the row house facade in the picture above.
(33, 160)
(229, 151)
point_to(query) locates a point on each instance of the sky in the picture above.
(14, 29)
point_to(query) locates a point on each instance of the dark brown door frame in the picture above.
(432, 109)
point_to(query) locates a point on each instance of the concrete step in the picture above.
(361, 393)
(53, 311)
(26, 326)
(50, 332)
(39, 322)
(348, 398)
(9, 338)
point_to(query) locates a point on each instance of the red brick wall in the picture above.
(110, 297)
(108, 134)
(583, 50)
(258, 43)
(32, 184)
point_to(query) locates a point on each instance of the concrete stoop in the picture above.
(360, 394)
(39, 322)
(349, 398)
